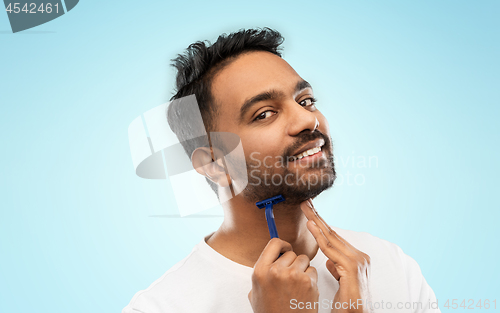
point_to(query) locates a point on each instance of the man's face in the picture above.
(271, 108)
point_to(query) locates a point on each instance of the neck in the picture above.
(244, 233)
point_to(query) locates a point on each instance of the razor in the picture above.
(268, 204)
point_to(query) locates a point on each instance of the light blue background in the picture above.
(414, 83)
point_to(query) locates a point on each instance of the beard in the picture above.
(297, 185)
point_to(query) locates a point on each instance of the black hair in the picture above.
(196, 68)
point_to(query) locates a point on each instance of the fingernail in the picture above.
(311, 205)
(314, 224)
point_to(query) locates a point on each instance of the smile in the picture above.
(311, 152)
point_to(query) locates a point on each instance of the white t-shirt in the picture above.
(206, 281)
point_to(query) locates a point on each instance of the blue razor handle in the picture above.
(271, 224)
(268, 204)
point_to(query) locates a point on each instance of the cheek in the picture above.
(265, 144)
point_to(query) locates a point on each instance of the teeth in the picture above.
(307, 153)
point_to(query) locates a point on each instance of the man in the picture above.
(243, 86)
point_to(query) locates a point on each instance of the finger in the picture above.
(311, 214)
(301, 263)
(286, 259)
(272, 251)
(332, 269)
(319, 232)
(329, 229)
(308, 208)
(347, 249)
(326, 246)
(313, 274)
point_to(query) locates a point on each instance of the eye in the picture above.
(264, 115)
(308, 102)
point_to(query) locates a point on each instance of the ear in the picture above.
(204, 164)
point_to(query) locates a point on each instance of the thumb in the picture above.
(332, 269)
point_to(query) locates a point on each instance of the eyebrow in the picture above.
(269, 95)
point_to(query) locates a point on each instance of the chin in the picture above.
(293, 193)
(300, 194)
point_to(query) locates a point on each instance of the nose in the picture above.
(301, 119)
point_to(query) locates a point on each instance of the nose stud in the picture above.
(316, 125)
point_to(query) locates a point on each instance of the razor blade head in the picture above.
(272, 201)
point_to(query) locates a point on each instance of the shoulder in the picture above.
(382, 252)
(393, 274)
(203, 281)
(170, 283)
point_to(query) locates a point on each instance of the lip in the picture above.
(313, 144)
